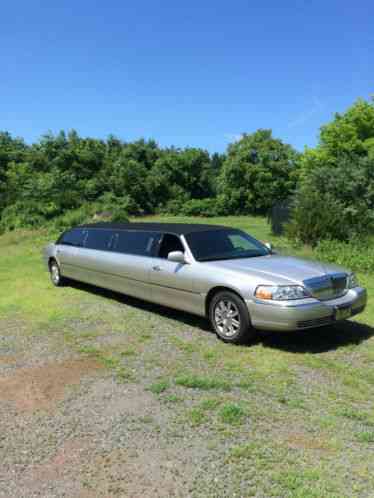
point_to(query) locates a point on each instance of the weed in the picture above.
(193, 381)
(159, 387)
(232, 414)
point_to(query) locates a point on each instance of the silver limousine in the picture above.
(222, 273)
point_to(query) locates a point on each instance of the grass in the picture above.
(232, 414)
(365, 437)
(159, 387)
(206, 383)
(197, 416)
(204, 412)
(290, 415)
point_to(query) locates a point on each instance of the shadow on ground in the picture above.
(316, 340)
(181, 316)
(319, 340)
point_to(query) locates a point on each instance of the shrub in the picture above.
(173, 207)
(355, 255)
(75, 217)
(91, 213)
(335, 201)
(118, 206)
(119, 215)
(20, 215)
(200, 207)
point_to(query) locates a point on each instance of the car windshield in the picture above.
(212, 245)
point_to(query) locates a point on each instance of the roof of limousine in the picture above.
(176, 228)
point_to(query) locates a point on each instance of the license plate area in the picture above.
(343, 313)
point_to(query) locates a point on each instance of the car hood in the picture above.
(277, 269)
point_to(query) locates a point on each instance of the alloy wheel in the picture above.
(55, 274)
(226, 318)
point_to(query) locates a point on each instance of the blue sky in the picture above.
(194, 73)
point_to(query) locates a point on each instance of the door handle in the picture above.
(156, 268)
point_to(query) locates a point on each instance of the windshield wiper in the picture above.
(219, 258)
(223, 258)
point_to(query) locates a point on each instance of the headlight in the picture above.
(281, 292)
(352, 281)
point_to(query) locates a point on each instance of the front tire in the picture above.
(230, 318)
(55, 273)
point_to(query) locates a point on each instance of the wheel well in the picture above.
(213, 292)
(50, 261)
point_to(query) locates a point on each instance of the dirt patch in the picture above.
(13, 326)
(304, 442)
(141, 473)
(33, 388)
(8, 360)
(62, 464)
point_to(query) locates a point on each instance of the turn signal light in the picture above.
(263, 293)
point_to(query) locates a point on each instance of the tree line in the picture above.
(65, 178)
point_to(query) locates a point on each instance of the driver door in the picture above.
(171, 283)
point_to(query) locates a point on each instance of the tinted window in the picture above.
(224, 244)
(138, 243)
(74, 237)
(169, 243)
(98, 239)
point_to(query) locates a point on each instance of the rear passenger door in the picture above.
(132, 253)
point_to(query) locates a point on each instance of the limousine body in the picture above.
(222, 273)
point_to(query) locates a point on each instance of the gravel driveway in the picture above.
(69, 428)
(104, 396)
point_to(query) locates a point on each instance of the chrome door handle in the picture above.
(156, 268)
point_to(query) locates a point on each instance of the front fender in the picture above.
(49, 252)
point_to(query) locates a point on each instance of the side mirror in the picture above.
(269, 245)
(177, 257)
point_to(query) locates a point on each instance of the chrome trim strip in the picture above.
(128, 278)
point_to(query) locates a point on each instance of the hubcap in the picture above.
(55, 274)
(227, 318)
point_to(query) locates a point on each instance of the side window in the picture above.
(74, 237)
(169, 243)
(241, 243)
(98, 239)
(137, 243)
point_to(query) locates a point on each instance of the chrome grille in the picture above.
(328, 286)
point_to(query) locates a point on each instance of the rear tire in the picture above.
(55, 273)
(230, 319)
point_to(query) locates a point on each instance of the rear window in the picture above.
(74, 237)
(98, 239)
(137, 243)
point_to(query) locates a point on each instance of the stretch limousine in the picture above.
(222, 273)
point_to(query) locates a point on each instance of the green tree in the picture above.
(179, 175)
(12, 150)
(127, 178)
(335, 196)
(258, 171)
(349, 134)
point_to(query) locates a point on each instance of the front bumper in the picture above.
(308, 313)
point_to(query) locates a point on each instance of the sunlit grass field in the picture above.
(291, 415)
